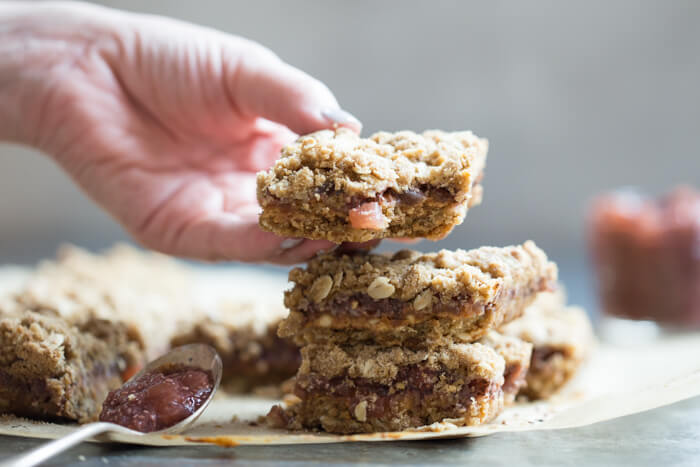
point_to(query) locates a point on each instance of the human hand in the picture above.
(162, 123)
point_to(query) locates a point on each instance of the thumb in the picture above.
(264, 86)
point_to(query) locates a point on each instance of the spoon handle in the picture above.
(44, 452)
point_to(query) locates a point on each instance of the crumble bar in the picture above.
(369, 388)
(562, 337)
(51, 369)
(395, 374)
(411, 298)
(337, 186)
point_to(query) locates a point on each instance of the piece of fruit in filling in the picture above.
(369, 216)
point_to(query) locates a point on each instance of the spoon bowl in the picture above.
(198, 356)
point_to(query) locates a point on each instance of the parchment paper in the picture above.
(616, 381)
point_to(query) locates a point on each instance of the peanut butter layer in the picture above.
(562, 338)
(413, 296)
(368, 388)
(337, 186)
(50, 369)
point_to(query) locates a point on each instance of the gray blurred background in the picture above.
(575, 97)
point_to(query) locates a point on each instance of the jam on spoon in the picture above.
(159, 399)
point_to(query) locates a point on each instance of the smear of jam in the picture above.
(158, 400)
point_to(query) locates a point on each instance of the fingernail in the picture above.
(289, 243)
(340, 117)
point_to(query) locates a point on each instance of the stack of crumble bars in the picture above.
(388, 342)
(394, 341)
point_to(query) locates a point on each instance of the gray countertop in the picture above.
(668, 436)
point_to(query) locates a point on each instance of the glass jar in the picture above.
(646, 258)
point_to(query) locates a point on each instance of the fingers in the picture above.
(406, 240)
(342, 117)
(303, 251)
(216, 219)
(264, 86)
(264, 148)
(231, 237)
(228, 237)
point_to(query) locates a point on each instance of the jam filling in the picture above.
(368, 216)
(361, 307)
(411, 197)
(158, 400)
(36, 391)
(366, 213)
(514, 378)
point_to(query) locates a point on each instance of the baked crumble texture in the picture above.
(246, 339)
(157, 299)
(369, 388)
(146, 292)
(562, 338)
(50, 369)
(411, 297)
(417, 185)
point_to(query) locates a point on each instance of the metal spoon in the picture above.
(199, 356)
